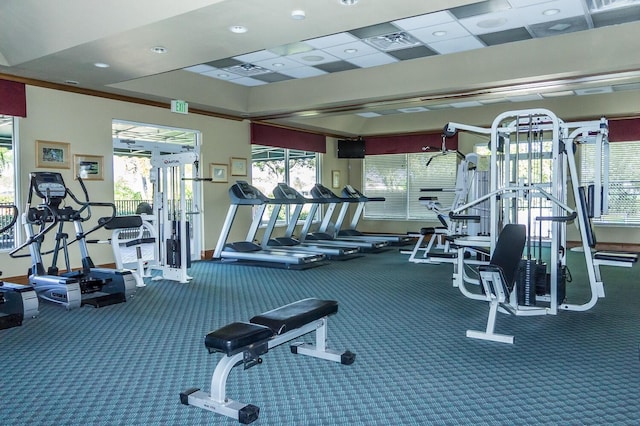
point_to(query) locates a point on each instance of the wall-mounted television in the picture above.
(348, 148)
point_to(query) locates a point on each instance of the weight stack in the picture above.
(173, 247)
(545, 286)
(528, 273)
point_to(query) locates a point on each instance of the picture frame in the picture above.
(53, 155)
(219, 172)
(88, 167)
(238, 166)
(335, 178)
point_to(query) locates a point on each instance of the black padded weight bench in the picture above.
(244, 343)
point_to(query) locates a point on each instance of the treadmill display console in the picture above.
(246, 190)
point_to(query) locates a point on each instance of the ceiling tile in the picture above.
(422, 21)
(278, 63)
(351, 50)
(412, 53)
(374, 60)
(616, 16)
(479, 8)
(331, 40)
(456, 45)
(302, 72)
(508, 36)
(563, 26)
(566, 9)
(493, 22)
(623, 87)
(525, 98)
(412, 109)
(465, 104)
(273, 77)
(594, 90)
(260, 55)
(313, 57)
(374, 30)
(440, 32)
(290, 49)
(368, 114)
(200, 68)
(224, 63)
(221, 75)
(248, 81)
(337, 66)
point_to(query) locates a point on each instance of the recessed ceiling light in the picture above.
(159, 50)
(298, 15)
(550, 12)
(350, 51)
(439, 33)
(277, 64)
(223, 75)
(101, 65)
(492, 23)
(348, 2)
(238, 29)
(72, 82)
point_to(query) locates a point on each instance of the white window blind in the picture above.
(624, 181)
(399, 177)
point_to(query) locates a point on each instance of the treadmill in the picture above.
(352, 193)
(323, 195)
(283, 194)
(247, 252)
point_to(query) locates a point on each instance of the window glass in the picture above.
(7, 180)
(624, 181)
(400, 178)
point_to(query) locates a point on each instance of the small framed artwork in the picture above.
(335, 178)
(89, 167)
(219, 172)
(238, 166)
(53, 155)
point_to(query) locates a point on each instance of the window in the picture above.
(270, 166)
(400, 177)
(624, 181)
(7, 179)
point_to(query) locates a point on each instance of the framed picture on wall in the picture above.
(219, 172)
(89, 167)
(238, 166)
(53, 155)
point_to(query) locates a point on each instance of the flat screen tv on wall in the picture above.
(351, 148)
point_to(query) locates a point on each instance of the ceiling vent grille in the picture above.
(393, 41)
(247, 70)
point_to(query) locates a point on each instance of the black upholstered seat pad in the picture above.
(295, 315)
(234, 337)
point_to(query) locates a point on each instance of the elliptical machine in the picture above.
(93, 286)
(17, 301)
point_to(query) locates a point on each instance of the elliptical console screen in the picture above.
(49, 184)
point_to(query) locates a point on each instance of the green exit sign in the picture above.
(181, 107)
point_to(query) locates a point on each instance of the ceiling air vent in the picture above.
(393, 41)
(247, 70)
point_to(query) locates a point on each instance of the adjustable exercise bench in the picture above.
(244, 343)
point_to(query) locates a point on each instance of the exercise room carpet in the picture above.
(126, 364)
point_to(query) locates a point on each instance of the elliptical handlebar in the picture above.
(14, 217)
(40, 218)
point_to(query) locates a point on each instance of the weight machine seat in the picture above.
(508, 252)
(238, 336)
(121, 222)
